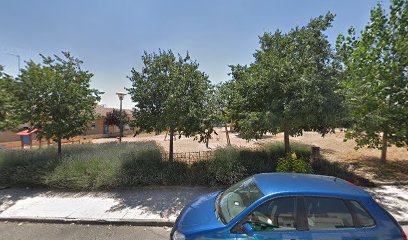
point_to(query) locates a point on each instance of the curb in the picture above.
(402, 183)
(136, 222)
(403, 223)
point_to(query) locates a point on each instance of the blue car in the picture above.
(287, 206)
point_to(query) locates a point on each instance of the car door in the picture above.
(331, 218)
(274, 219)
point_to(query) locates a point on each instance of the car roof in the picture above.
(307, 184)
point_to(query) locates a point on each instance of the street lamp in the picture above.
(121, 95)
(18, 58)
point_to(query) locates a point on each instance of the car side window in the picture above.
(275, 215)
(362, 215)
(327, 214)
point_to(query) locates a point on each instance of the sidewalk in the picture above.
(149, 206)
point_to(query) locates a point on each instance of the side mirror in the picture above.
(248, 229)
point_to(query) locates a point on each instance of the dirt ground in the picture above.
(364, 161)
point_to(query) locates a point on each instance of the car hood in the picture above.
(199, 215)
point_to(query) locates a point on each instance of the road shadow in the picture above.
(10, 196)
(166, 201)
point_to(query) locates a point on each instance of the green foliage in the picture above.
(55, 97)
(226, 167)
(293, 164)
(9, 116)
(171, 93)
(112, 165)
(276, 150)
(291, 86)
(340, 170)
(27, 167)
(374, 78)
(142, 167)
(115, 118)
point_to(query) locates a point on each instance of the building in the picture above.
(97, 128)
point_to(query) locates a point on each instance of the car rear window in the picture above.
(363, 216)
(327, 213)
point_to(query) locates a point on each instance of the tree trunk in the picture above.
(227, 135)
(171, 145)
(286, 140)
(384, 147)
(59, 142)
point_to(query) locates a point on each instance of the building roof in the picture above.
(294, 183)
(103, 110)
(27, 132)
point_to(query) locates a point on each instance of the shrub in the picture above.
(200, 174)
(27, 167)
(226, 167)
(293, 164)
(256, 161)
(340, 170)
(276, 150)
(142, 167)
(112, 165)
(175, 173)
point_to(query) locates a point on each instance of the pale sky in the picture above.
(110, 36)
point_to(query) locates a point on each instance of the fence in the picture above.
(35, 144)
(190, 157)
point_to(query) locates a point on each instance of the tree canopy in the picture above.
(290, 87)
(114, 118)
(56, 97)
(9, 116)
(170, 93)
(374, 78)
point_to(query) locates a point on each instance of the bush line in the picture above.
(112, 165)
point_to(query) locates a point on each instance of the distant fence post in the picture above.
(315, 153)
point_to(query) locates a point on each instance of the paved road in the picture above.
(39, 231)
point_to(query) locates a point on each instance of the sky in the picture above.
(111, 36)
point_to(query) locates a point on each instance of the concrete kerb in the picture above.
(403, 223)
(399, 183)
(136, 222)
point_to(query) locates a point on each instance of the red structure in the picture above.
(26, 137)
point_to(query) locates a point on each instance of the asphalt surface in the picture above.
(41, 231)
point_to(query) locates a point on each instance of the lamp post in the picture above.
(18, 58)
(121, 95)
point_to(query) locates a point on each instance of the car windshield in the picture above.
(237, 198)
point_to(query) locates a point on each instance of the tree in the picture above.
(169, 93)
(57, 98)
(211, 116)
(9, 116)
(114, 118)
(226, 98)
(291, 86)
(374, 79)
